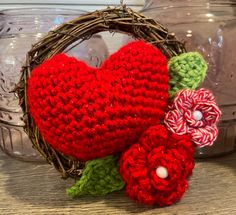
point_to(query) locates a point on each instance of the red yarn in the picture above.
(180, 119)
(157, 148)
(89, 113)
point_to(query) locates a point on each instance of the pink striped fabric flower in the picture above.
(196, 113)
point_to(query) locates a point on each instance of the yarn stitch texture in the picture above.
(100, 177)
(157, 147)
(90, 113)
(180, 119)
(187, 71)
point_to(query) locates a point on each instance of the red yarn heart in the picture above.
(89, 113)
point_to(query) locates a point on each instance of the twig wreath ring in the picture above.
(133, 122)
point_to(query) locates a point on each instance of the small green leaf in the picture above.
(187, 71)
(100, 177)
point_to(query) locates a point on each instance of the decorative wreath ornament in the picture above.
(134, 122)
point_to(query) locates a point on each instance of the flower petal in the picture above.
(134, 157)
(153, 137)
(175, 122)
(204, 136)
(204, 94)
(183, 100)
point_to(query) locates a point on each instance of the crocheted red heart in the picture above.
(88, 113)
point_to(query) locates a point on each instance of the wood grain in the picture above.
(30, 188)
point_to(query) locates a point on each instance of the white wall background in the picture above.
(88, 5)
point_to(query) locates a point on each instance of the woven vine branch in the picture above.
(120, 19)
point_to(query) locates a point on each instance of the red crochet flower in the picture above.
(194, 112)
(156, 169)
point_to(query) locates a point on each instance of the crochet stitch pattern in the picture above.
(100, 177)
(157, 148)
(196, 113)
(89, 113)
(187, 71)
(114, 126)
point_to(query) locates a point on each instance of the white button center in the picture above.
(162, 172)
(197, 115)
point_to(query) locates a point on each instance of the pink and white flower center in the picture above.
(197, 115)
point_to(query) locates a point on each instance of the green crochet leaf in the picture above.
(100, 177)
(187, 71)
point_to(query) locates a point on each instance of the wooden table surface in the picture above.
(33, 188)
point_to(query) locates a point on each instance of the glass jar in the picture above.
(209, 27)
(19, 29)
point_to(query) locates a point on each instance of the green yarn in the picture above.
(100, 177)
(187, 71)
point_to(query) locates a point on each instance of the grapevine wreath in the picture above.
(134, 122)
